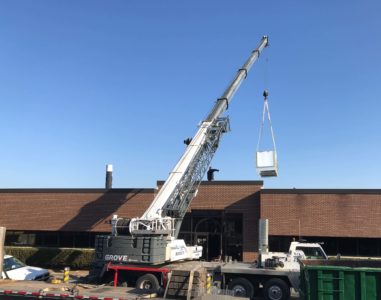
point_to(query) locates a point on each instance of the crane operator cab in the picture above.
(266, 160)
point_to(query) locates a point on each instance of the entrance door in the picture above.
(214, 246)
(211, 245)
(209, 231)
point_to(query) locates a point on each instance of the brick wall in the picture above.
(328, 213)
(234, 197)
(69, 210)
(88, 209)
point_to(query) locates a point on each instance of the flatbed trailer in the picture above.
(11, 289)
(175, 284)
(190, 279)
(241, 279)
(178, 279)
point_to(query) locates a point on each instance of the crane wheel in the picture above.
(242, 287)
(276, 289)
(148, 283)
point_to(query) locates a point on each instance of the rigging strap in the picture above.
(266, 110)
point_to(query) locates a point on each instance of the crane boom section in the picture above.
(157, 205)
(165, 214)
(223, 102)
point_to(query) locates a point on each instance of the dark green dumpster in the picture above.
(340, 280)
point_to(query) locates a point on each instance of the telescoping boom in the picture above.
(178, 190)
(162, 219)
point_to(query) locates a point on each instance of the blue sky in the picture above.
(86, 83)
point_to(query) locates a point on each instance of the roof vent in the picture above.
(108, 177)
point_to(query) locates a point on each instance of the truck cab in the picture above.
(274, 274)
(307, 250)
(296, 252)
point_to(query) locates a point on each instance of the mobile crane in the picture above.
(152, 238)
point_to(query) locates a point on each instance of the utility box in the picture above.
(267, 163)
(340, 280)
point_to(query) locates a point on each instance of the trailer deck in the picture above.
(37, 289)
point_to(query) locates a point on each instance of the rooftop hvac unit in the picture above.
(267, 163)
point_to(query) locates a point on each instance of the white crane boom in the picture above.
(165, 214)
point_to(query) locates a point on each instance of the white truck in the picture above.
(16, 270)
(272, 276)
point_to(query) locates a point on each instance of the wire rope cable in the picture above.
(266, 112)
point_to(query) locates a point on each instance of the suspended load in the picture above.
(267, 161)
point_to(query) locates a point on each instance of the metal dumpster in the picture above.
(340, 279)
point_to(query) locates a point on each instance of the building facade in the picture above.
(347, 221)
(223, 217)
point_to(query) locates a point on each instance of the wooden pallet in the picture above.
(186, 280)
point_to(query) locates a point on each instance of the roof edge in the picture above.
(225, 182)
(321, 191)
(77, 190)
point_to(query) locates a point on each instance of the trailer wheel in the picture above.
(241, 287)
(276, 289)
(148, 283)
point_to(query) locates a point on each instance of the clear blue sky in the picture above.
(86, 83)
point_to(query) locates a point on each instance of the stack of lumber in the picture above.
(187, 280)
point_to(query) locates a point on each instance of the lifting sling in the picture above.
(266, 161)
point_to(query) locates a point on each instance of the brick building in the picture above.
(348, 221)
(223, 217)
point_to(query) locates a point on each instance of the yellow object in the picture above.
(149, 296)
(66, 274)
(55, 281)
(208, 283)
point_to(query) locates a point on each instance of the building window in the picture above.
(233, 228)
(20, 238)
(82, 239)
(218, 232)
(60, 239)
(279, 243)
(66, 239)
(347, 246)
(368, 247)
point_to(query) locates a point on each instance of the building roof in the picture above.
(77, 190)
(322, 191)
